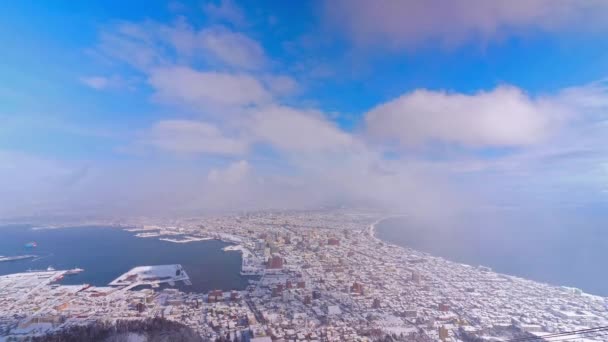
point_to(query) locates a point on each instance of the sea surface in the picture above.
(106, 253)
(550, 249)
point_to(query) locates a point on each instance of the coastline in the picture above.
(250, 265)
(373, 235)
(372, 229)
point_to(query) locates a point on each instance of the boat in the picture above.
(74, 271)
(16, 257)
(50, 268)
(31, 244)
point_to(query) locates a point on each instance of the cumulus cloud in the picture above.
(505, 116)
(281, 85)
(276, 155)
(565, 169)
(213, 69)
(282, 128)
(192, 137)
(409, 23)
(150, 44)
(234, 49)
(188, 86)
(290, 129)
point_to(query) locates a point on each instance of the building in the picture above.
(357, 288)
(416, 277)
(215, 296)
(260, 245)
(276, 262)
(443, 333)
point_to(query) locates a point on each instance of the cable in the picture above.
(560, 335)
(567, 333)
(578, 336)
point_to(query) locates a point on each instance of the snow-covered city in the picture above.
(313, 276)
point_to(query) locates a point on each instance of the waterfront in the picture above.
(327, 278)
(106, 253)
(558, 252)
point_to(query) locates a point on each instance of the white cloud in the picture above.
(192, 137)
(178, 42)
(225, 10)
(151, 44)
(410, 22)
(139, 45)
(566, 169)
(183, 85)
(291, 129)
(96, 82)
(504, 116)
(587, 98)
(107, 82)
(281, 85)
(234, 49)
(232, 174)
(319, 162)
(171, 56)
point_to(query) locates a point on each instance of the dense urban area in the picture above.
(314, 276)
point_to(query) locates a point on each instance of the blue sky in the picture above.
(188, 106)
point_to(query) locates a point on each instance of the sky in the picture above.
(189, 107)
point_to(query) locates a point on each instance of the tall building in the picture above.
(416, 277)
(275, 262)
(443, 333)
(260, 245)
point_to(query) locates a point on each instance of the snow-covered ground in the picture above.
(151, 275)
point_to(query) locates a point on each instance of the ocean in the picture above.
(547, 247)
(106, 253)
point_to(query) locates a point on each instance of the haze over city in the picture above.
(324, 170)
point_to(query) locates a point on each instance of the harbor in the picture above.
(106, 253)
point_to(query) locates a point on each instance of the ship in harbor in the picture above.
(16, 257)
(31, 244)
(74, 271)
